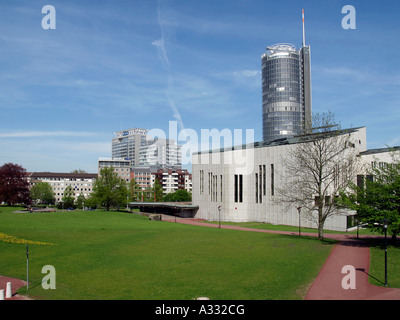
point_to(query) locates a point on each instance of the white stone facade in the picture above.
(240, 185)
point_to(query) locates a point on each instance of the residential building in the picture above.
(173, 180)
(120, 165)
(81, 183)
(142, 176)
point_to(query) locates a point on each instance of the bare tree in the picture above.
(323, 163)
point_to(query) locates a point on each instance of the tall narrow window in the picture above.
(264, 180)
(256, 178)
(201, 181)
(209, 183)
(236, 188)
(216, 188)
(260, 183)
(272, 180)
(360, 181)
(212, 191)
(221, 185)
(240, 188)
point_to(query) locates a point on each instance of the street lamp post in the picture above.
(299, 211)
(219, 216)
(385, 226)
(27, 267)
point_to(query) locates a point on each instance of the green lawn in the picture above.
(280, 227)
(377, 252)
(377, 268)
(114, 255)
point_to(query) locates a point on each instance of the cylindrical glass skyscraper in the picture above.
(286, 91)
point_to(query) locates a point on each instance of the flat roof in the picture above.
(379, 150)
(174, 205)
(63, 175)
(282, 141)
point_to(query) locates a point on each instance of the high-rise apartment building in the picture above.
(286, 90)
(126, 144)
(161, 153)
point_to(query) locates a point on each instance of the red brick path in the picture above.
(15, 285)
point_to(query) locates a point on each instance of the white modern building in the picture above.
(378, 158)
(241, 185)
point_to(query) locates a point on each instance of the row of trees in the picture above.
(109, 190)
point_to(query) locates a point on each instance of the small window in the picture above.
(327, 201)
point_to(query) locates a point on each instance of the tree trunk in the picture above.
(321, 233)
(320, 223)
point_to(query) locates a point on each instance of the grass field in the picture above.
(280, 227)
(114, 255)
(377, 267)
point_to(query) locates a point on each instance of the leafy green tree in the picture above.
(180, 195)
(91, 202)
(42, 192)
(109, 189)
(69, 198)
(78, 171)
(157, 191)
(135, 193)
(376, 197)
(80, 201)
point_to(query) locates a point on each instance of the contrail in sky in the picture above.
(162, 53)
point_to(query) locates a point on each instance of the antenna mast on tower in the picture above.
(304, 32)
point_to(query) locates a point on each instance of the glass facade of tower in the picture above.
(283, 102)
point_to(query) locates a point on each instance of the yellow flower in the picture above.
(10, 239)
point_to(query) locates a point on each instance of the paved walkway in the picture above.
(328, 284)
(15, 285)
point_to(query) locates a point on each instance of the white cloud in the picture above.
(34, 134)
(247, 73)
(162, 53)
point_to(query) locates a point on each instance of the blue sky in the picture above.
(114, 64)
